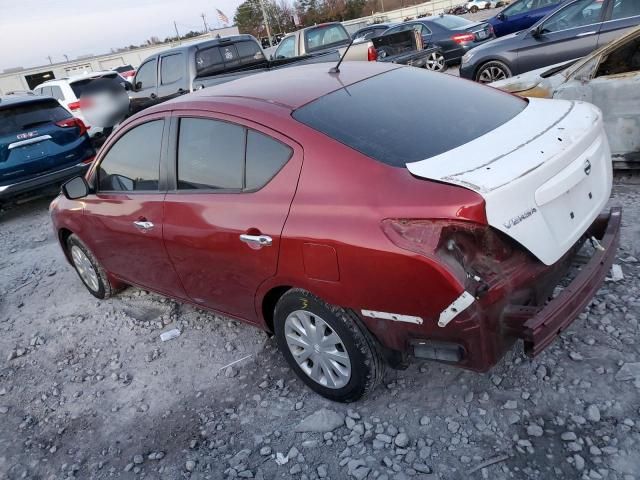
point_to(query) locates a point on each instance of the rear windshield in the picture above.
(325, 36)
(80, 86)
(232, 56)
(451, 22)
(409, 114)
(17, 118)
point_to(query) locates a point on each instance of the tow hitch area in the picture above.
(538, 326)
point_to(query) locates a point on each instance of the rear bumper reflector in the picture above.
(539, 326)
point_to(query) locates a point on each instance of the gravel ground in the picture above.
(88, 390)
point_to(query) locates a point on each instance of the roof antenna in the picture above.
(336, 69)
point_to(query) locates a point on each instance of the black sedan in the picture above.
(574, 30)
(453, 35)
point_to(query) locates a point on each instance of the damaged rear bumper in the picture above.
(538, 326)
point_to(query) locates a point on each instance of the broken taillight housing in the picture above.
(73, 122)
(466, 248)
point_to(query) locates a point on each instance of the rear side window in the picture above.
(17, 118)
(429, 115)
(325, 36)
(265, 157)
(171, 68)
(217, 155)
(210, 154)
(133, 162)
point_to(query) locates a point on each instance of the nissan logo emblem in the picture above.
(587, 167)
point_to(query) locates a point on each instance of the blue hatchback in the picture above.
(522, 14)
(41, 144)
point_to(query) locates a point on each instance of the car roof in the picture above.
(8, 100)
(293, 87)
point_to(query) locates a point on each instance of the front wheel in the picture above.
(436, 62)
(88, 268)
(492, 72)
(327, 347)
(474, 9)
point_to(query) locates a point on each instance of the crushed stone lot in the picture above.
(88, 389)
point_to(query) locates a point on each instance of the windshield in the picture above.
(452, 22)
(431, 114)
(325, 36)
(16, 118)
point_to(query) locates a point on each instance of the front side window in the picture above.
(133, 162)
(171, 69)
(286, 49)
(625, 9)
(146, 76)
(218, 155)
(579, 14)
(325, 36)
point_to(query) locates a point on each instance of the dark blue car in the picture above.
(521, 14)
(41, 144)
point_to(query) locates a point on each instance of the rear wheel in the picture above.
(473, 9)
(436, 62)
(327, 347)
(88, 268)
(492, 72)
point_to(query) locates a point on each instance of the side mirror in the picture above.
(501, 16)
(270, 57)
(75, 188)
(137, 86)
(536, 32)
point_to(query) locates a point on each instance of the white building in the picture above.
(28, 78)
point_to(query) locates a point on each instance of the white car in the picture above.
(69, 90)
(474, 5)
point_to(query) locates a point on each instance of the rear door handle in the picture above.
(585, 34)
(256, 240)
(144, 224)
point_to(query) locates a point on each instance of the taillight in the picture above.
(491, 31)
(73, 122)
(74, 106)
(89, 160)
(462, 246)
(463, 37)
(372, 54)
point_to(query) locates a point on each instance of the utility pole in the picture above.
(176, 27)
(204, 20)
(66, 57)
(266, 22)
(50, 61)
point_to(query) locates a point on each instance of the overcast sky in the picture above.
(30, 30)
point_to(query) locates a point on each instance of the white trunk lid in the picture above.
(545, 175)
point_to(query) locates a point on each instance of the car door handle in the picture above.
(585, 34)
(144, 224)
(256, 240)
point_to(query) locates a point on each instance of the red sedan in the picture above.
(365, 217)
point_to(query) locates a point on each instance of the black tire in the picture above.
(104, 288)
(488, 72)
(366, 361)
(473, 9)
